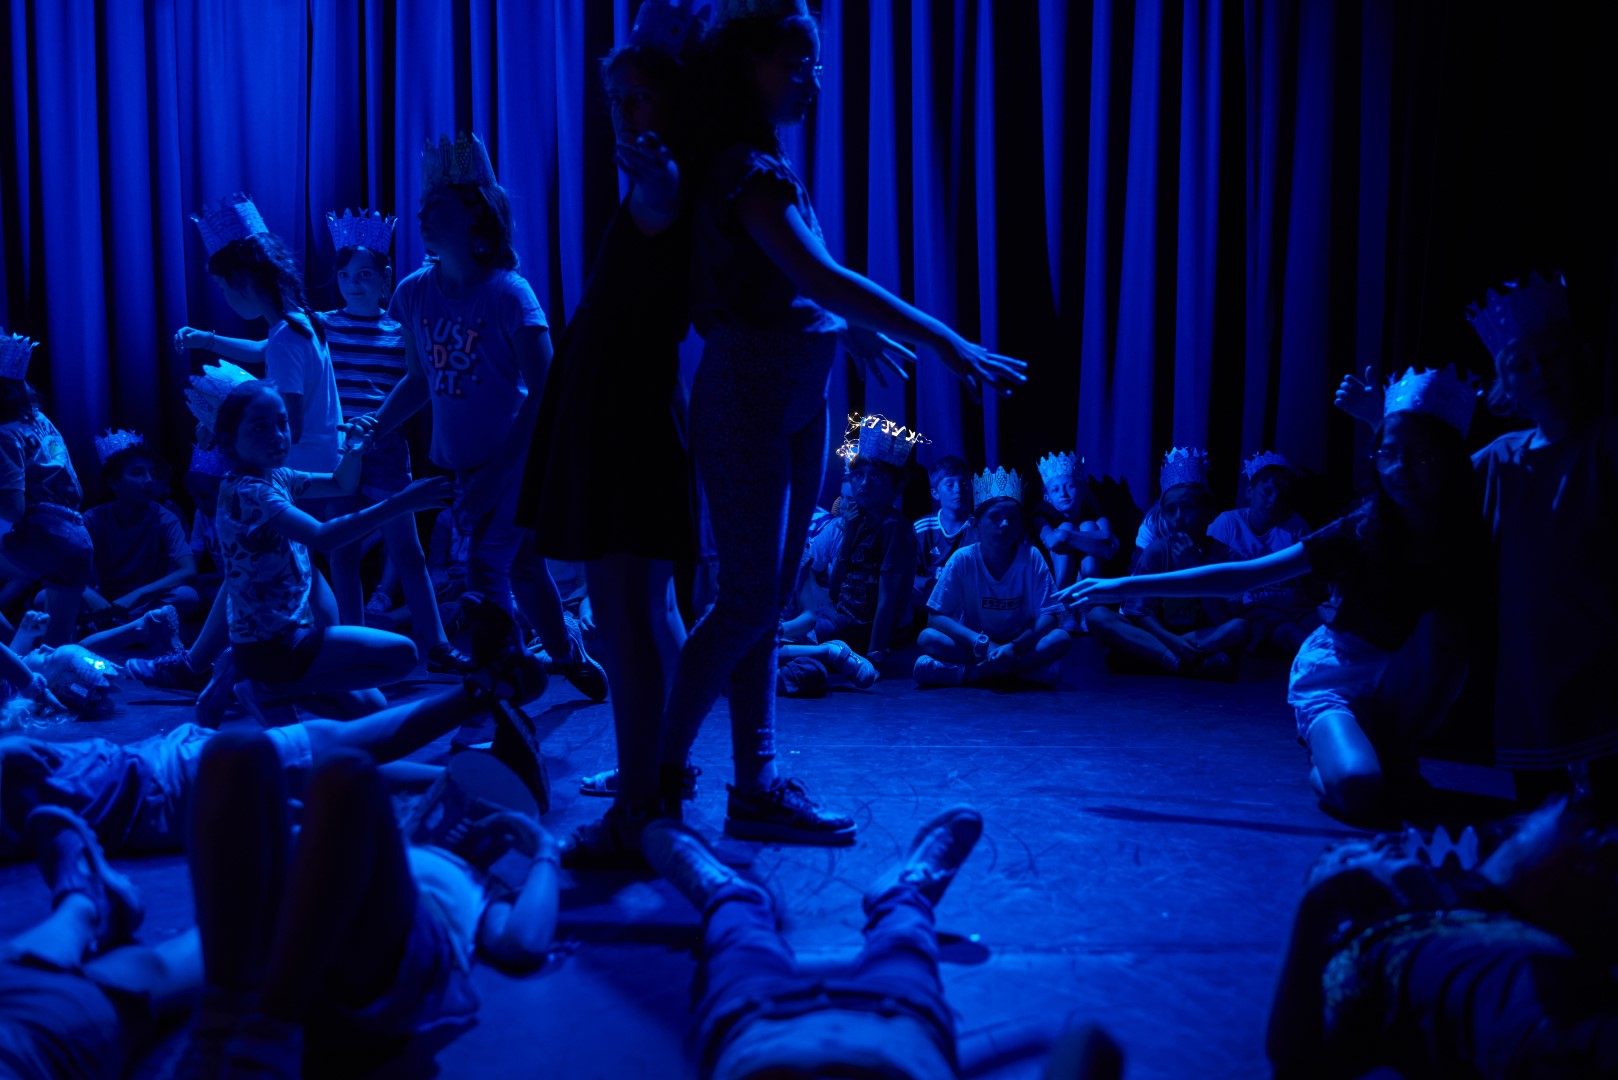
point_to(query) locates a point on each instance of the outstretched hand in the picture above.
(877, 355)
(1360, 398)
(429, 494)
(1088, 591)
(189, 337)
(977, 367)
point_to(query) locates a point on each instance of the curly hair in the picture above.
(728, 98)
(261, 263)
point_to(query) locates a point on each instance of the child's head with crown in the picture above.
(876, 472)
(1186, 505)
(130, 469)
(252, 266)
(997, 510)
(17, 398)
(1269, 489)
(465, 215)
(364, 268)
(1420, 453)
(1059, 473)
(1541, 363)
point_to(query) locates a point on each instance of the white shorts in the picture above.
(1333, 672)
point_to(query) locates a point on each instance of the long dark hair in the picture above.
(729, 106)
(262, 263)
(17, 400)
(494, 230)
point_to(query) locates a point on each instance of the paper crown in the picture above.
(1058, 465)
(669, 26)
(464, 161)
(1183, 465)
(15, 352)
(1263, 460)
(114, 441)
(998, 484)
(725, 10)
(367, 229)
(209, 390)
(848, 451)
(1519, 310)
(233, 217)
(1442, 393)
(883, 440)
(208, 462)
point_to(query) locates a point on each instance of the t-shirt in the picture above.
(1232, 528)
(267, 575)
(733, 280)
(870, 548)
(368, 357)
(1382, 584)
(1550, 510)
(205, 538)
(825, 540)
(934, 546)
(468, 351)
(298, 364)
(34, 460)
(1180, 614)
(128, 557)
(1001, 608)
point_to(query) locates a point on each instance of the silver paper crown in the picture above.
(233, 217)
(1443, 393)
(1263, 460)
(464, 161)
(1058, 465)
(209, 390)
(883, 440)
(1183, 465)
(367, 229)
(998, 484)
(725, 10)
(208, 462)
(114, 441)
(1519, 310)
(15, 352)
(669, 26)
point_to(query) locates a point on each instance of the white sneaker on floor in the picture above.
(929, 673)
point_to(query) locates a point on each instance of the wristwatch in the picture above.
(980, 647)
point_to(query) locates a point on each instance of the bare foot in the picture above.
(30, 632)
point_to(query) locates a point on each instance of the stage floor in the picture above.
(1146, 842)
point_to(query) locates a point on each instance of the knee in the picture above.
(1056, 643)
(1356, 793)
(1240, 631)
(933, 642)
(1104, 623)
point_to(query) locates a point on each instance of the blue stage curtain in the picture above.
(1191, 215)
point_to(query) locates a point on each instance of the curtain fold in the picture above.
(1192, 216)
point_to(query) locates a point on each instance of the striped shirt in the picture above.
(368, 355)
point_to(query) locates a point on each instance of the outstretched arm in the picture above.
(516, 931)
(1217, 579)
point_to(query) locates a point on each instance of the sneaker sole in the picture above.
(937, 821)
(786, 834)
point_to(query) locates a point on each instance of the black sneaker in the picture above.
(446, 659)
(72, 861)
(491, 631)
(507, 677)
(612, 842)
(171, 671)
(785, 813)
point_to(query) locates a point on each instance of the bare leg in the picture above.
(170, 972)
(1349, 772)
(393, 732)
(406, 559)
(1115, 630)
(213, 638)
(1228, 637)
(355, 658)
(65, 936)
(346, 583)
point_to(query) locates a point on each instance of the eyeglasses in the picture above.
(1385, 459)
(807, 70)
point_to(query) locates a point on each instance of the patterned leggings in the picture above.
(758, 434)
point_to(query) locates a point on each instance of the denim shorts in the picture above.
(50, 542)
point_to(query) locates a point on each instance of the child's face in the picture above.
(1186, 509)
(950, 493)
(789, 78)
(1062, 492)
(637, 107)
(137, 482)
(446, 224)
(1409, 463)
(364, 282)
(1264, 496)
(265, 436)
(873, 489)
(1000, 525)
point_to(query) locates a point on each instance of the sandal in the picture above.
(852, 666)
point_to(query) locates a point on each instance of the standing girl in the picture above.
(368, 358)
(770, 302)
(1407, 569)
(476, 343)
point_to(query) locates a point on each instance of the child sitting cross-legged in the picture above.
(1281, 614)
(1186, 636)
(947, 530)
(871, 577)
(986, 616)
(1071, 525)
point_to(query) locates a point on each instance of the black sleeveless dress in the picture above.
(608, 471)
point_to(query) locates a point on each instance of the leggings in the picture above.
(758, 435)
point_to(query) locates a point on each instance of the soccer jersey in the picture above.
(1001, 607)
(935, 545)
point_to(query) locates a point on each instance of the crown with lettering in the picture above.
(464, 161)
(669, 26)
(1261, 461)
(998, 484)
(1443, 393)
(880, 439)
(1520, 310)
(1057, 466)
(725, 10)
(208, 462)
(15, 352)
(209, 390)
(367, 229)
(114, 441)
(233, 217)
(1183, 465)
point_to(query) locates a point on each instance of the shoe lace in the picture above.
(793, 795)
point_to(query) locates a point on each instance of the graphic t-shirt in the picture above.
(1000, 607)
(1234, 529)
(368, 357)
(302, 365)
(267, 575)
(34, 461)
(870, 548)
(128, 557)
(468, 351)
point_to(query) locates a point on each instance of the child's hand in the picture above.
(587, 616)
(40, 691)
(1360, 398)
(877, 355)
(188, 337)
(650, 164)
(430, 494)
(1095, 591)
(976, 366)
